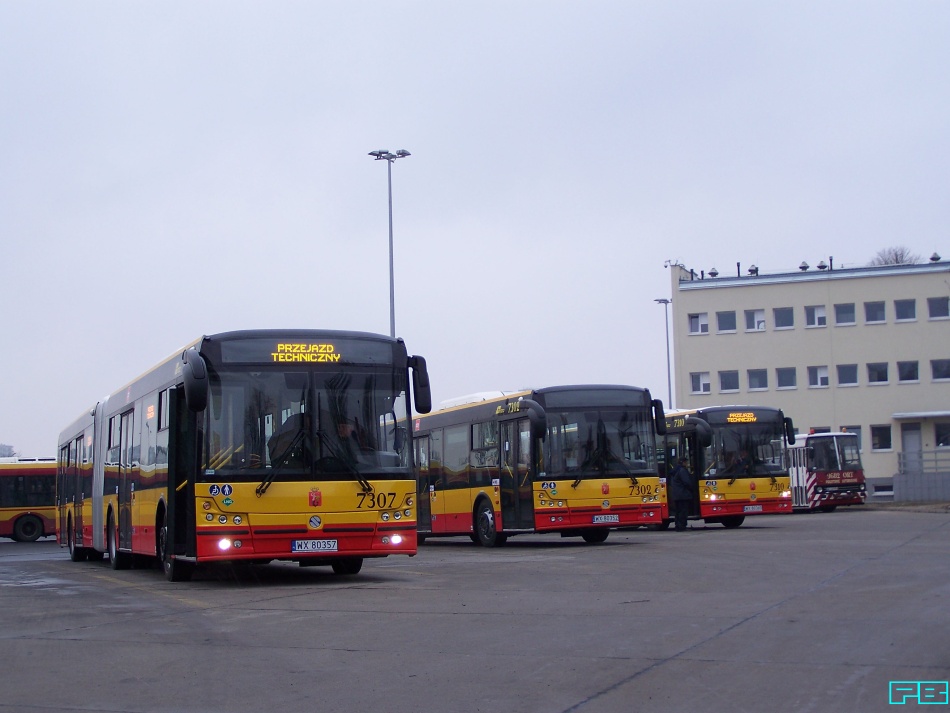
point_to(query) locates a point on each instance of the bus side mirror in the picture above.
(659, 417)
(789, 431)
(421, 391)
(195, 374)
(537, 418)
(703, 431)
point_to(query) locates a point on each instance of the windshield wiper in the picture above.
(281, 462)
(345, 463)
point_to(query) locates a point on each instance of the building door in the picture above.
(912, 448)
(517, 499)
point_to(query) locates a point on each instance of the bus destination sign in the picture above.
(291, 352)
(741, 417)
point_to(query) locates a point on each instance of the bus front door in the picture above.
(126, 482)
(424, 510)
(517, 497)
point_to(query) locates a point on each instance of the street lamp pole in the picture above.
(384, 155)
(666, 319)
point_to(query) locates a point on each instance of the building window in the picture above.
(755, 320)
(942, 434)
(908, 371)
(880, 438)
(758, 379)
(699, 323)
(856, 430)
(874, 313)
(699, 382)
(815, 316)
(784, 317)
(844, 314)
(785, 377)
(905, 310)
(847, 374)
(940, 369)
(817, 376)
(877, 372)
(726, 321)
(938, 307)
(728, 381)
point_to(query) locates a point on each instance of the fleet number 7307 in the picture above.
(376, 500)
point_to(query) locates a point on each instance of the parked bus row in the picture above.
(304, 446)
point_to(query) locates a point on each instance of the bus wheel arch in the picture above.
(486, 525)
(27, 528)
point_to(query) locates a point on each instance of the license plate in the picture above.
(752, 508)
(313, 546)
(606, 518)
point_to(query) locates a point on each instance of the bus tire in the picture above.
(28, 528)
(731, 522)
(347, 565)
(595, 535)
(827, 508)
(76, 554)
(118, 560)
(176, 570)
(485, 526)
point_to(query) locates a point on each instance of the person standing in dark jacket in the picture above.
(682, 486)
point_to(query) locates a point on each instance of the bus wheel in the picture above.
(27, 529)
(76, 554)
(663, 525)
(731, 522)
(827, 508)
(488, 536)
(175, 570)
(348, 565)
(598, 534)
(118, 560)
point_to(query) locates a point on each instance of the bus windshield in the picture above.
(835, 453)
(746, 450)
(305, 425)
(592, 443)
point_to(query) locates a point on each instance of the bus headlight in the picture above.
(385, 517)
(224, 544)
(396, 539)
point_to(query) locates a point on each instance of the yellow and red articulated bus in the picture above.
(826, 471)
(27, 498)
(738, 457)
(573, 460)
(249, 446)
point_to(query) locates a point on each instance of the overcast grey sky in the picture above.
(175, 169)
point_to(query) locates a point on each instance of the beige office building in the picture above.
(866, 349)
